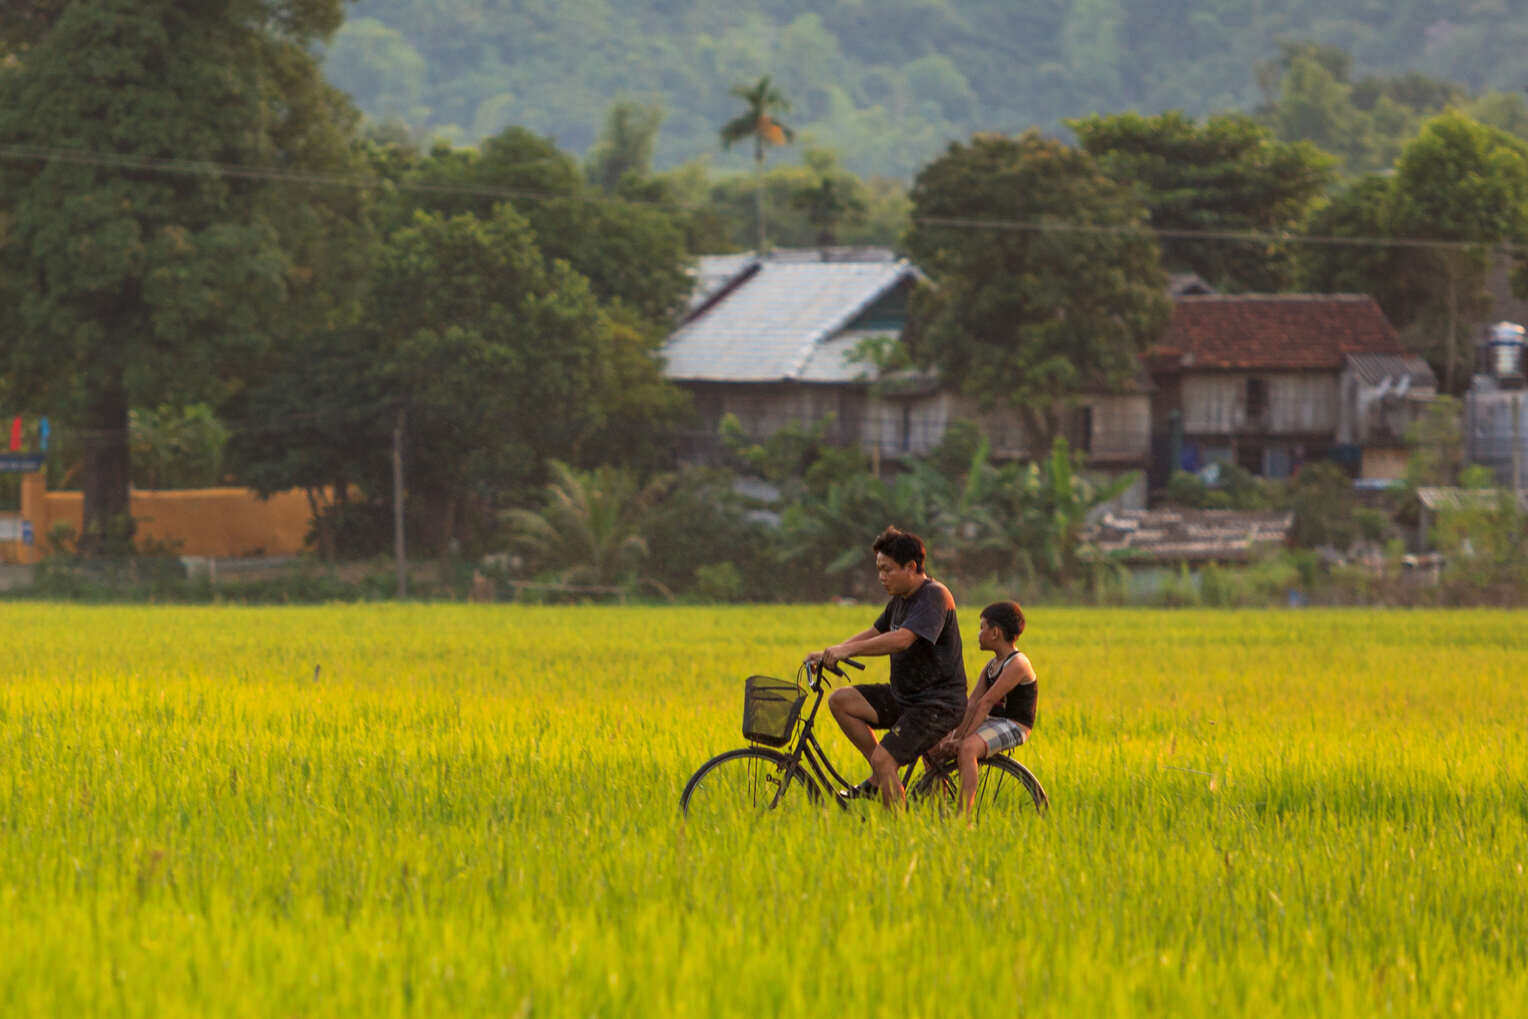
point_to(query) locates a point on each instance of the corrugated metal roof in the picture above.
(1449, 498)
(774, 325)
(712, 272)
(1374, 369)
(1175, 535)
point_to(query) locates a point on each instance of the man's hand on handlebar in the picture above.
(829, 659)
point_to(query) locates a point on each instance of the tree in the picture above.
(1227, 174)
(1461, 181)
(178, 447)
(760, 123)
(1423, 238)
(495, 357)
(26, 21)
(146, 284)
(835, 198)
(1046, 283)
(320, 418)
(623, 155)
(629, 251)
(590, 527)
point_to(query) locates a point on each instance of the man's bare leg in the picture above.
(855, 716)
(883, 767)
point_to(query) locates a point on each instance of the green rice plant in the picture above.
(402, 810)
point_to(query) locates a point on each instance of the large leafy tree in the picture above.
(630, 252)
(1463, 182)
(1225, 175)
(142, 275)
(495, 357)
(1047, 284)
(1422, 239)
(759, 123)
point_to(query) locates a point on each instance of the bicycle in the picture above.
(771, 773)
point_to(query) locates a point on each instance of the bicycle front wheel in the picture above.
(750, 780)
(1004, 787)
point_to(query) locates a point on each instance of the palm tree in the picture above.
(589, 529)
(758, 122)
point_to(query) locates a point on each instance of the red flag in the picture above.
(16, 436)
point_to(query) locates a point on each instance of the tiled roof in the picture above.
(777, 324)
(1263, 332)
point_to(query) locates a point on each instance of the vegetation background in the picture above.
(888, 82)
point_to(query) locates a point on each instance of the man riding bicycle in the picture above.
(926, 697)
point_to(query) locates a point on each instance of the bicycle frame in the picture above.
(806, 747)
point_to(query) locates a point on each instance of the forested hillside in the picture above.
(883, 82)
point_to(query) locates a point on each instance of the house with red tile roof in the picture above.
(1271, 381)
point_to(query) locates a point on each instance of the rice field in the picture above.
(472, 810)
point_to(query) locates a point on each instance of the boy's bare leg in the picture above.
(972, 749)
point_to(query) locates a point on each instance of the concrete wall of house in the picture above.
(1293, 403)
(1121, 426)
(762, 409)
(905, 426)
(221, 522)
(1369, 415)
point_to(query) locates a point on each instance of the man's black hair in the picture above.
(901, 547)
(1006, 616)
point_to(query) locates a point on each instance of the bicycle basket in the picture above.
(771, 708)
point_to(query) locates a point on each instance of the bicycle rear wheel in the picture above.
(749, 780)
(1004, 787)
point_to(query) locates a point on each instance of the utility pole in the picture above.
(1453, 314)
(398, 549)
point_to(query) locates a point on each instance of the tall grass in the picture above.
(408, 810)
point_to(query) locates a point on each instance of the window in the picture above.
(1257, 400)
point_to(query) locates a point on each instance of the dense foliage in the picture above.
(888, 83)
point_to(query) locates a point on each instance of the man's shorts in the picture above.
(912, 729)
(1001, 734)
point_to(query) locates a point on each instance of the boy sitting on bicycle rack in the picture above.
(918, 629)
(1001, 710)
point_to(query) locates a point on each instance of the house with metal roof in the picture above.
(1271, 381)
(782, 339)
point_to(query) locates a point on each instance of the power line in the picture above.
(1251, 236)
(207, 168)
(186, 167)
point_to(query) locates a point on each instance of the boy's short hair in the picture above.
(901, 547)
(1006, 616)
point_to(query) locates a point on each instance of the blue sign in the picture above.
(21, 463)
(26, 532)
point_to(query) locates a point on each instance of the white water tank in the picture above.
(1506, 350)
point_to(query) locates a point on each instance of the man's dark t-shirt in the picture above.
(932, 670)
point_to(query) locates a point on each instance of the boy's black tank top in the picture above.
(1019, 704)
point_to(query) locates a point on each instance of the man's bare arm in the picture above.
(870, 644)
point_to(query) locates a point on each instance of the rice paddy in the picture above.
(472, 810)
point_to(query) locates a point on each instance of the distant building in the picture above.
(1269, 382)
(778, 339)
(1496, 407)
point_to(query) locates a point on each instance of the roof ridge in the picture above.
(894, 270)
(1229, 298)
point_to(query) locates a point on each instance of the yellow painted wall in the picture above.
(196, 522)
